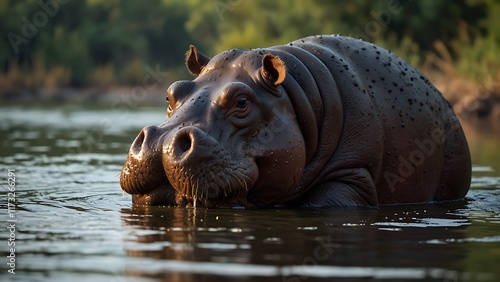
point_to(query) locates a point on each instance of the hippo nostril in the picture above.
(137, 145)
(184, 142)
(191, 144)
(147, 138)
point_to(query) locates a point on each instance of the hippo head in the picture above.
(230, 138)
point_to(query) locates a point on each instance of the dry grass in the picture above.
(466, 71)
(39, 76)
(469, 79)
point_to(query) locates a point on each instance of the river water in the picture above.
(70, 221)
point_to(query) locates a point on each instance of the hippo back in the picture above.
(361, 106)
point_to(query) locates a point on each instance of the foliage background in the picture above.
(108, 43)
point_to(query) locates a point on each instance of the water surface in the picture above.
(74, 223)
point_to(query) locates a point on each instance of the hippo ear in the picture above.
(273, 69)
(195, 61)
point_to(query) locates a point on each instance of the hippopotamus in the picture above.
(322, 121)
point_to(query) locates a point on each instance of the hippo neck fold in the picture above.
(312, 100)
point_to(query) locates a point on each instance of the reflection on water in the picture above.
(411, 242)
(74, 224)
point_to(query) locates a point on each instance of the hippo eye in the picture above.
(241, 107)
(242, 102)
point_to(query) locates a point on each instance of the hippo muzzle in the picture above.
(200, 168)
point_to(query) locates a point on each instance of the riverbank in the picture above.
(479, 109)
(85, 95)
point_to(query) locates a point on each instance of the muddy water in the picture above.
(72, 222)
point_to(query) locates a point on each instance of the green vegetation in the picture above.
(55, 43)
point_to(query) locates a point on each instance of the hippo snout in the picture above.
(143, 169)
(185, 165)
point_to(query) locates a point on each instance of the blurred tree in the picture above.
(122, 37)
